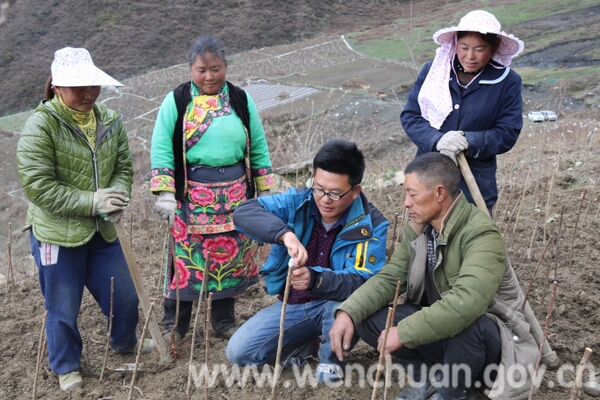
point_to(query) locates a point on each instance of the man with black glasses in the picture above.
(334, 240)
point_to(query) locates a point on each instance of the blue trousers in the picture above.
(476, 347)
(255, 342)
(63, 273)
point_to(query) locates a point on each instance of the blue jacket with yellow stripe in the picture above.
(357, 254)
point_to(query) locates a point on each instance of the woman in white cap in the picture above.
(74, 164)
(468, 99)
(209, 154)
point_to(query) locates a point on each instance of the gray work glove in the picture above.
(263, 193)
(108, 201)
(165, 206)
(452, 143)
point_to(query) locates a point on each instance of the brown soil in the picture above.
(551, 161)
(541, 182)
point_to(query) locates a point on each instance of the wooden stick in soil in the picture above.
(597, 211)
(172, 344)
(380, 361)
(139, 350)
(510, 196)
(587, 209)
(549, 198)
(387, 375)
(10, 270)
(521, 200)
(110, 322)
(286, 294)
(535, 271)
(207, 342)
(579, 376)
(539, 357)
(40, 354)
(394, 235)
(141, 291)
(200, 298)
(537, 221)
(562, 212)
(573, 237)
(11, 279)
(164, 257)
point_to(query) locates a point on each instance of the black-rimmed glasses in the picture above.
(333, 196)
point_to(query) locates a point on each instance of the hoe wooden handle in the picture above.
(465, 170)
(141, 290)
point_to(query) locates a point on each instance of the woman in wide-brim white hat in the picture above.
(74, 164)
(468, 99)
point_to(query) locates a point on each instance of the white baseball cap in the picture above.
(74, 67)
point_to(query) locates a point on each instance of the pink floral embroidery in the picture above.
(222, 249)
(269, 181)
(238, 272)
(199, 275)
(202, 196)
(195, 238)
(184, 275)
(202, 219)
(179, 229)
(220, 219)
(212, 102)
(235, 193)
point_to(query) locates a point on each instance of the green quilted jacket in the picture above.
(473, 277)
(60, 172)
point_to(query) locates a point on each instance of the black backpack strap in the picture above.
(183, 96)
(238, 100)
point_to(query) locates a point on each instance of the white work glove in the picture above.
(262, 193)
(452, 143)
(165, 206)
(108, 201)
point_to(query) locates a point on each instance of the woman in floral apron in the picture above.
(209, 154)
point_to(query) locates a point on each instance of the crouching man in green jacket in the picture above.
(461, 325)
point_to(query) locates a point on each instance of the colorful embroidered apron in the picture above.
(204, 222)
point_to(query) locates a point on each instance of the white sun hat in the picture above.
(74, 67)
(484, 22)
(434, 97)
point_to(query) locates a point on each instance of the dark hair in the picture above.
(341, 157)
(204, 45)
(49, 89)
(489, 38)
(436, 169)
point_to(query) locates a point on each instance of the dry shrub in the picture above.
(356, 82)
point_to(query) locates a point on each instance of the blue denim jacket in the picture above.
(357, 254)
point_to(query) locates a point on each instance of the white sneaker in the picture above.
(70, 380)
(146, 348)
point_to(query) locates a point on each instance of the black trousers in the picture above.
(476, 348)
(222, 315)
